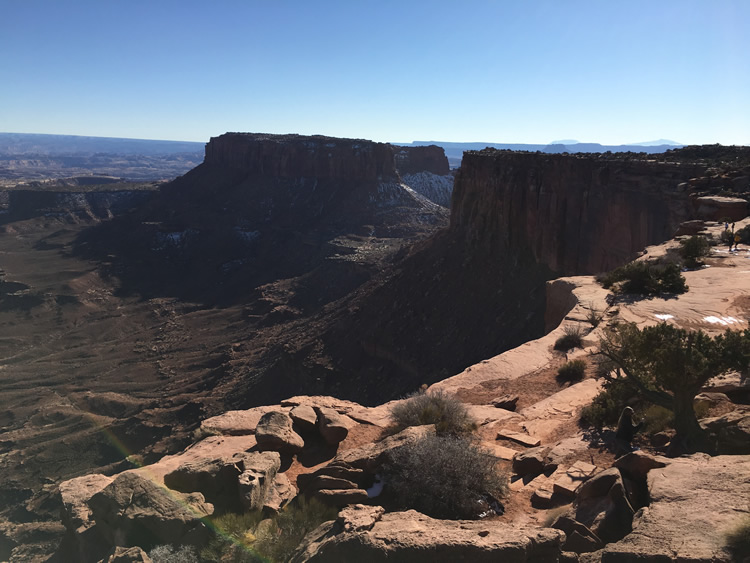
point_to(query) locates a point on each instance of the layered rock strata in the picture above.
(574, 214)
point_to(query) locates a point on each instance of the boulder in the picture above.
(661, 439)
(599, 485)
(717, 208)
(216, 479)
(568, 482)
(690, 227)
(327, 482)
(376, 416)
(75, 494)
(507, 402)
(133, 510)
(280, 494)
(257, 478)
(709, 399)
(334, 427)
(731, 431)
(578, 538)
(731, 384)
(275, 432)
(695, 500)
(518, 437)
(341, 497)
(543, 498)
(636, 465)
(362, 534)
(335, 470)
(371, 456)
(305, 417)
(236, 423)
(530, 462)
(602, 505)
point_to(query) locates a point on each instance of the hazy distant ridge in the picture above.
(28, 143)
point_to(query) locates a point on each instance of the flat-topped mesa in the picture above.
(294, 156)
(575, 214)
(413, 160)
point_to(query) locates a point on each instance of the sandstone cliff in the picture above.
(295, 156)
(412, 160)
(575, 214)
(517, 220)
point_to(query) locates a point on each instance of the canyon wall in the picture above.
(413, 160)
(576, 214)
(295, 156)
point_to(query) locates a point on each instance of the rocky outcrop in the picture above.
(718, 208)
(574, 214)
(695, 501)
(275, 431)
(333, 427)
(364, 533)
(133, 510)
(730, 432)
(257, 480)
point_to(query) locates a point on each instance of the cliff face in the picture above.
(517, 220)
(573, 214)
(413, 160)
(294, 156)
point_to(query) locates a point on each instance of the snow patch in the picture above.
(437, 189)
(723, 320)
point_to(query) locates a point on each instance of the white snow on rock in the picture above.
(437, 189)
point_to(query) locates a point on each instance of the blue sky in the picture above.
(495, 71)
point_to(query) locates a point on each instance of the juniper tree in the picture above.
(668, 366)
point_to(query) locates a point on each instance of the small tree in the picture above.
(693, 249)
(668, 366)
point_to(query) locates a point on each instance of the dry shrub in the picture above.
(446, 412)
(571, 372)
(444, 477)
(572, 338)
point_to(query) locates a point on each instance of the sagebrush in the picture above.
(443, 477)
(445, 411)
(571, 371)
(572, 338)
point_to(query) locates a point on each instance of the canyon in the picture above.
(291, 265)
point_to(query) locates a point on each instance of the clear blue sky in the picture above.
(392, 70)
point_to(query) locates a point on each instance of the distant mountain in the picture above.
(657, 143)
(28, 143)
(565, 142)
